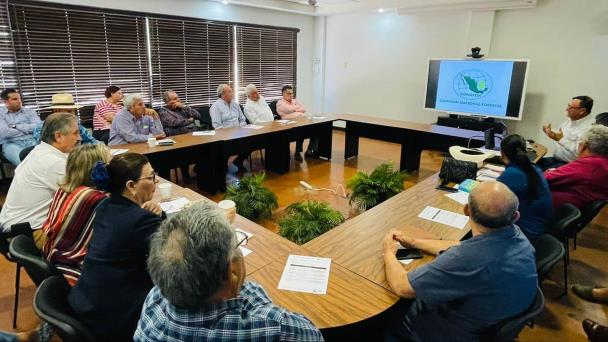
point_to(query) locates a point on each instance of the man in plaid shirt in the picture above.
(200, 295)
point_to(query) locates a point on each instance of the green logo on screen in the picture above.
(472, 84)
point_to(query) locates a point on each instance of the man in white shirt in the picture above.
(38, 176)
(256, 108)
(570, 132)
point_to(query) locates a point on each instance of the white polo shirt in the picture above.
(33, 187)
(567, 148)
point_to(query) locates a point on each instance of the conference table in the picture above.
(413, 137)
(210, 152)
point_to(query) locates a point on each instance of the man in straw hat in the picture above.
(64, 103)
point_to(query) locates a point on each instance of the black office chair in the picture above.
(16, 229)
(273, 108)
(509, 329)
(548, 252)
(25, 152)
(587, 215)
(3, 161)
(565, 221)
(24, 251)
(51, 305)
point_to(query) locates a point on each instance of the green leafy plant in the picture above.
(253, 200)
(306, 220)
(372, 189)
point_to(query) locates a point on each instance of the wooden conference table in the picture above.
(413, 137)
(210, 152)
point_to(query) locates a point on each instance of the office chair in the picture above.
(549, 251)
(565, 220)
(51, 305)
(24, 251)
(587, 215)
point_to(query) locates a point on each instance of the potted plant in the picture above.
(304, 221)
(372, 189)
(253, 200)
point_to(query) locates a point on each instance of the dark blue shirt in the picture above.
(114, 283)
(536, 215)
(471, 287)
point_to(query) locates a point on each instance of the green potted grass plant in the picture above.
(304, 221)
(253, 200)
(372, 189)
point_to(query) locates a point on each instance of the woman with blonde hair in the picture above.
(68, 227)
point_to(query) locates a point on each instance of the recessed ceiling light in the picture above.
(380, 10)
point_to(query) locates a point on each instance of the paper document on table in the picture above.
(318, 117)
(174, 206)
(445, 217)
(461, 197)
(246, 251)
(201, 133)
(285, 122)
(253, 126)
(305, 274)
(116, 152)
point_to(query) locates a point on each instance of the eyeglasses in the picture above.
(289, 93)
(153, 177)
(241, 239)
(570, 107)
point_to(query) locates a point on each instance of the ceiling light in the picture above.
(380, 10)
(225, 2)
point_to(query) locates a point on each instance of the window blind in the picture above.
(191, 58)
(266, 57)
(79, 52)
(8, 72)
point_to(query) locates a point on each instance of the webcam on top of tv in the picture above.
(475, 53)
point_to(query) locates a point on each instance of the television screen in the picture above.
(494, 88)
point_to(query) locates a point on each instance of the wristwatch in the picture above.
(13, 126)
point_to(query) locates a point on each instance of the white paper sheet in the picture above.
(253, 126)
(444, 217)
(246, 251)
(118, 151)
(174, 206)
(285, 122)
(249, 235)
(201, 133)
(305, 274)
(318, 117)
(461, 197)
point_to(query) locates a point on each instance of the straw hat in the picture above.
(63, 101)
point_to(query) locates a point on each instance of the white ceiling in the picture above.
(330, 7)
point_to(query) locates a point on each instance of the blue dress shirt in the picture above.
(24, 120)
(126, 129)
(224, 115)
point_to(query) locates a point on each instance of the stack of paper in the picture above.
(318, 117)
(305, 274)
(285, 122)
(253, 126)
(174, 206)
(201, 133)
(444, 217)
(116, 152)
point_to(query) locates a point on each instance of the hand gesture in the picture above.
(153, 207)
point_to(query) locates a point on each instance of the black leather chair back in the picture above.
(25, 152)
(273, 108)
(589, 213)
(508, 329)
(24, 251)
(86, 116)
(549, 251)
(565, 221)
(51, 305)
(16, 229)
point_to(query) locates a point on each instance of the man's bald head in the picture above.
(493, 205)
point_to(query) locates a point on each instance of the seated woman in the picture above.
(68, 226)
(527, 182)
(104, 113)
(585, 179)
(114, 282)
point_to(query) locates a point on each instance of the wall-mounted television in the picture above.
(475, 87)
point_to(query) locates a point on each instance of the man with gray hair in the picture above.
(585, 179)
(472, 284)
(37, 177)
(135, 124)
(177, 118)
(256, 108)
(200, 292)
(225, 112)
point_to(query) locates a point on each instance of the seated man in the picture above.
(177, 118)
(570, 132)
(17, 124)
(289, 108)
(198, 246)
(227, 113)
(256, 108)
(37, 177)
(474, 283)
(135, 124)
(64, 103)
(586, 179)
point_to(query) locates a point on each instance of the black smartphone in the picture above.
(408, 253)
